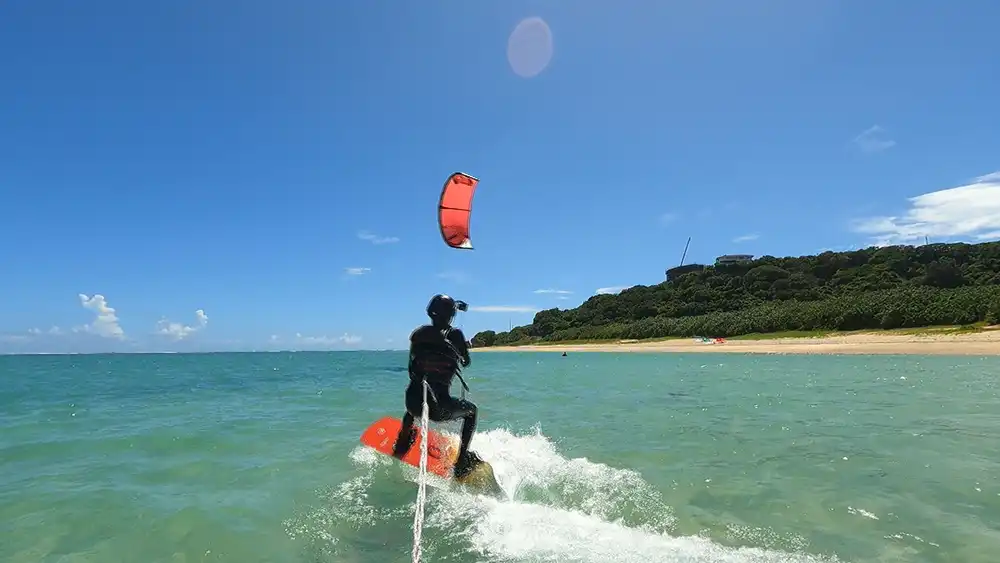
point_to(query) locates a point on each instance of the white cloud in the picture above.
(667, 218)
(357, 271)
(327, 340)
(314, 339)
(560, 294)
(970, 211)
(611, 290)
(35, 331)
(179, 331)
(873, 140)
(376, 239)
(275, 338)
(13, 338)
(504, 309)
(455, 276)
(746, 238)
(992, 235)
(105, 323)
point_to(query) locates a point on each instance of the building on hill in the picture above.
(678, 271)
(727, 259)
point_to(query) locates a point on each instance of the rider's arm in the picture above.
(458, 339)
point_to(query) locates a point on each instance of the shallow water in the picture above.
(604, 458)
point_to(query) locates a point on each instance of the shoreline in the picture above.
(979, 343)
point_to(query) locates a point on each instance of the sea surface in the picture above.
(604, 458)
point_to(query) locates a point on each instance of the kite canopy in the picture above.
(455, 209)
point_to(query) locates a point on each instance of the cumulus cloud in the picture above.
(376, 239)
(357, 271)
(746, 238)
(611, 290)
(873, 140)
(504, 309)
(105, 323)
(179, 331)
(969, 211)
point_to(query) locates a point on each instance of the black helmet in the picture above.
(441, 308)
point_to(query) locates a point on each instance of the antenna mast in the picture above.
(683, 256)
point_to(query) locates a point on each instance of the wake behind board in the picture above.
(442, 451)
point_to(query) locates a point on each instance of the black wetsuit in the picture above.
(437, 354)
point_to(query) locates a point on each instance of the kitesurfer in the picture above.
(438, 352)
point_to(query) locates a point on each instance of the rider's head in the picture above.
(441, 310)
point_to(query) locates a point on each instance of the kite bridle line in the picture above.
(418, 513)
(465, 387)
(461, 324)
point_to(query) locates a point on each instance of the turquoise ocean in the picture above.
(254, 457)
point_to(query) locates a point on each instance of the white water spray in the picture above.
(557, 508)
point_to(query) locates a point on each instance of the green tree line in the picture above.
(878, 287)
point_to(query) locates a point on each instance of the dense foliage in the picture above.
(887, 287)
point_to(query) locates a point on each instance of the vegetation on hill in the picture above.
(874, 288)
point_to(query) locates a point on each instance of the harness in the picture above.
(455, 356)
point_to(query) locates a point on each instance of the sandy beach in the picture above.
(985, 343)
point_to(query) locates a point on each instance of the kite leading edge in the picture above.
(455, 210)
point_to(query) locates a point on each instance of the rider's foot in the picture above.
(398, 449)
(466, 464)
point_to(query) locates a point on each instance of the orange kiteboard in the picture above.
(442, 451)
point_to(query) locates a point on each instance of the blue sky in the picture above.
(277, 166)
